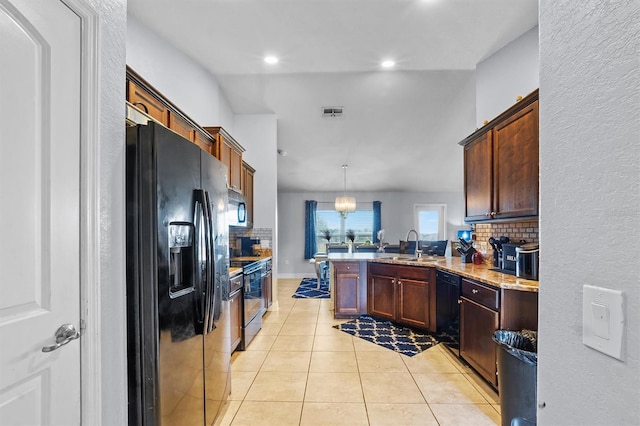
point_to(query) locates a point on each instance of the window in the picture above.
(429, 220)
(360, 221)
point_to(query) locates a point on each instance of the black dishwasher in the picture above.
(448, 309)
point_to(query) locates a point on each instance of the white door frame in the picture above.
(90, 312)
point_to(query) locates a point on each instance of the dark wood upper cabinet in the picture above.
(501, 165)
(515, 164)
(478, 177)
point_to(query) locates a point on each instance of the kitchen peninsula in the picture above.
(404, 289)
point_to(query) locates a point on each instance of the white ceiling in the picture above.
(400, 126)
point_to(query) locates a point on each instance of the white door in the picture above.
(39, 211)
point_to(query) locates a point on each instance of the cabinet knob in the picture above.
(348, 268)
(459, 302)
(487, 214)
(475, 291)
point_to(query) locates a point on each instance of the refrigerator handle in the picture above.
(202, 259)
(213, 295)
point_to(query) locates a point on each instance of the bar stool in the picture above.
(321, 264)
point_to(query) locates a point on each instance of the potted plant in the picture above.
(326, 234)
(351, 236)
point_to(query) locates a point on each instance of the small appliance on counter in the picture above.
(245, 245)
(527, 261)
(509, 257)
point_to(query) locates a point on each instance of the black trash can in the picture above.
(517, 375)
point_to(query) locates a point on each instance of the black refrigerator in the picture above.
(178, 327)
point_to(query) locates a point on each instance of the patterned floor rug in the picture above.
(400, 339)
(308, 289)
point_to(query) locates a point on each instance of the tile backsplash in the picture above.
(265, 235)
(516, 231)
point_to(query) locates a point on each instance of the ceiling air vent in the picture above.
(332, 112)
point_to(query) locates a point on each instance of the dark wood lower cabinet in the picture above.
(402, 294)
(485, 309)
(349, 289)
(382, 296)
(413, 302)
(477, 324)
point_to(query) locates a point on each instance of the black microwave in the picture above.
(237, 209)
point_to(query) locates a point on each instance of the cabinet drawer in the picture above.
(346, 267)
(380, 269)
(235, 283)
(414, 273)
(482, 294)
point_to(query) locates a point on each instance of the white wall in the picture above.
(589, 198)
(397, 219)
(188, 85)
(502, 77)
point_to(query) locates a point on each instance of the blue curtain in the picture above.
(310, 245)
(377, 220)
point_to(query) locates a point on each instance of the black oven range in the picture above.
(252, 298)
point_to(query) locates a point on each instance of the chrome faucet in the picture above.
(417, 249)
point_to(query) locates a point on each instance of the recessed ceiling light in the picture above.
(388, 64)
(271, 60)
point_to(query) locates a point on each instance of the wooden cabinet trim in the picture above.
(134, 79)
(530, 98)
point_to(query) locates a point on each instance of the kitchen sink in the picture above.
(414, 259)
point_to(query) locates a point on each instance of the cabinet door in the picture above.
(413, 302)
(382, 296)
(144, 101)
(247, 190)
(515, 163)
(347, 290)
(203, 141)
(478, 178)
(236, 319)
(235, 169)
(477, 325)
(180, 126)
(223, 152)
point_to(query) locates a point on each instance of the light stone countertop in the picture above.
(481, 273)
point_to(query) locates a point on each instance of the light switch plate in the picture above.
(603, 320)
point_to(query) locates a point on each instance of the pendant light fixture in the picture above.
(345, 204)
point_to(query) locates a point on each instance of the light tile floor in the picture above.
(300, 370)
